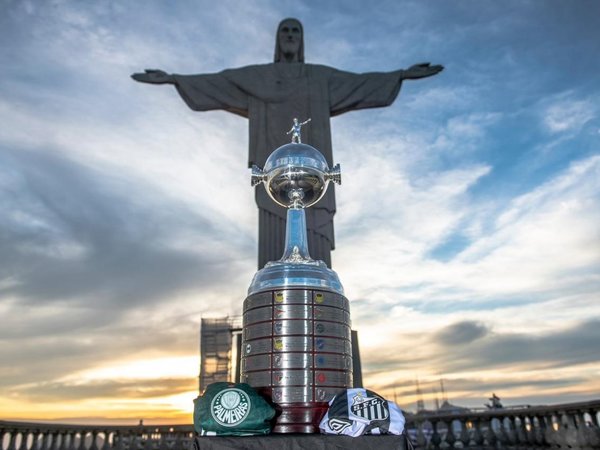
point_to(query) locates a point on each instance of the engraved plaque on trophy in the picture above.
(296, 347)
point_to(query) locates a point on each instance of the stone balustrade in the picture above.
(573, 425)
(42, 436)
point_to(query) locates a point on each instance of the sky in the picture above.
(467, 227)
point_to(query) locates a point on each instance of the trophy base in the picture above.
(297, 418)
(297, 353)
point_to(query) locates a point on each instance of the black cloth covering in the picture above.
(302, 442)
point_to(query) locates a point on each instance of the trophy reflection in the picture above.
(296, 345)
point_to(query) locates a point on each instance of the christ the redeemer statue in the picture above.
(271, 96)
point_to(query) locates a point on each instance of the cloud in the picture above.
(95, 339)
(431, 387)
(91, 262)
(561, 348)
(70, 235)
(557, 362)
(105, 389)
(461, 333)
(566, 114)
(465, 133)
(520, 249)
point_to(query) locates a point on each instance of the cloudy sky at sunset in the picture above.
(468, 223)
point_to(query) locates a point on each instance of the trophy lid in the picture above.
(293, 154)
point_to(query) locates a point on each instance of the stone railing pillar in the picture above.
(591, 427)
(520, 430)
(421, 439)
(450, 436)
(436, 439)
(465, 434)
(35, 440)
(478, 437)
(12, 441)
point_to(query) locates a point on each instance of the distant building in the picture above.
(219, 359)
(447, 407)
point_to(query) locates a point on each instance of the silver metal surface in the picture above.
(296, 130)
(292, 394)
(257, 315)
(301, 414)
(258, 379)
(332, 329)
(292, 378)
(295, 176)
(257, 347)
(295, 272)
(259, 362)
(296, 155)
(333, 378)
(295, 268)
(331, 299)
(258, 330)
(296, 173)
(292, 344)
(258, 300)
(334, 174)
(325, 394)
(333, 361)
(332, 314)
(332, 345)
(293, 361)
(287, 327)
(292, 312)
(258, 176)
(293, 296)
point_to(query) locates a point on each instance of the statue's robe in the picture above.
(271, 96)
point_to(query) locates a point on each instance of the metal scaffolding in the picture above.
(217, 359)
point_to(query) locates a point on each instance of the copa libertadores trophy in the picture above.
(296, 347)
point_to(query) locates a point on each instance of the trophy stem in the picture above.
(296, 237)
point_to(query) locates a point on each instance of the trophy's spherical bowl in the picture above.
(287, 185)
(296, 172)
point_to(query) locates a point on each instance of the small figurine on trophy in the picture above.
(296, 129)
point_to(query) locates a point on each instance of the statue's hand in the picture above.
(422, 70)
(153, 76)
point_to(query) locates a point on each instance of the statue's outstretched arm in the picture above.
(154, 76)
(422, 70)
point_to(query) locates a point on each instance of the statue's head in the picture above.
(289, 46)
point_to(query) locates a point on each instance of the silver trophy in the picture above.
(296, 345)
(296, 177)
